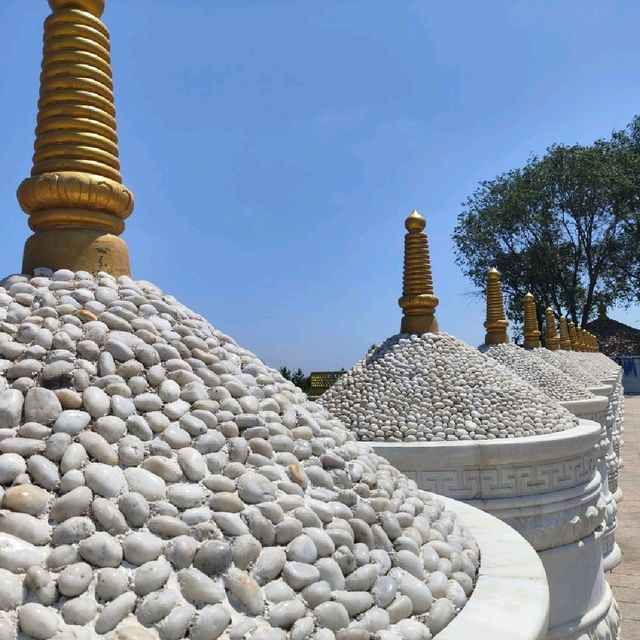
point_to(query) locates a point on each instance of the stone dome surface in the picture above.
(552, 381)
(158, 480)
(436, 387)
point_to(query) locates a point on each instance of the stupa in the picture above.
(525, 363)
(555, 383)
(424, 385)
(464, 425)
(160, 481)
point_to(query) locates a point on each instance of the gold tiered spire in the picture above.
(584, 339)
(588, 340)
(418, 301)
(573, 335)
(531, 329)
(75, 198)
(496, 323)
(552, 340)
(565, 340)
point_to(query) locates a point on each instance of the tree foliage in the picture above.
(298, 377)
(566, 227)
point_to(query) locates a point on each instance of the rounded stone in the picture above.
(38, 621)
(101, 550)
(75, 579)
(11, 466)
(111, 583)
(105, 480)
(11, 591)
(42, 406)
(141, 547)
(331, 615)
(26, 498)
(96, 402)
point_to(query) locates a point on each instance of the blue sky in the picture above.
(276, 146)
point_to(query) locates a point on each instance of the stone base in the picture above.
(577, 583)
(511, 596)
(76, 249)
(613, 558)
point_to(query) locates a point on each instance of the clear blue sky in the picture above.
(276, 146)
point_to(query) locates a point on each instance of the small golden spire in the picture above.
(573, 335)
(582, 339)
(552, 341)
(496, 323)
(531, 329)
(75, 198)
(418, 301)
(588, 341)
(565, 340)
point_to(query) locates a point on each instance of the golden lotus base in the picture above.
(419, 324)
(77, 249)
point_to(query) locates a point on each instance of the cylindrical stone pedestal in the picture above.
(511, 595)
(546, 487)
(598, 409)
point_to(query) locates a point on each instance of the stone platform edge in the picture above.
(511, 596)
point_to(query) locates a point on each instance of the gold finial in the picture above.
(75, 198)
(496, 323)
(418, 301)
(531, 329)
(602, 311)
(565, 340)
(552, 341)
(573, 335)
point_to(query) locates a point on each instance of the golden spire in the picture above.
(418, 301)
(531, 329)
(552, 341)
(75, 197)
(573, 335)
(496, 323)
(565, 340)
(590, 342)
(582, 339)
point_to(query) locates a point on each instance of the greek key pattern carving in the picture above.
(506, 481)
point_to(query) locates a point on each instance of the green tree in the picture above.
(565, 227)
(300, 380)
(285, 373)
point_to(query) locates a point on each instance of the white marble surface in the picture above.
(511, 597)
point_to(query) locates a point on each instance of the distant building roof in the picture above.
(615, 338)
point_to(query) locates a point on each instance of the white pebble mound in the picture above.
(588, 369)
(436, 387)
(533, 369)
(159, 481)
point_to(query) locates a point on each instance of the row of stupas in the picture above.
(446, 413)
(569, 338)
(160, 481)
